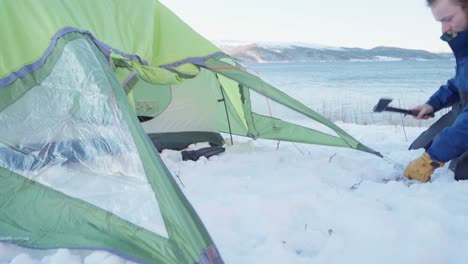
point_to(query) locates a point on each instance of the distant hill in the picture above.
(303, 52)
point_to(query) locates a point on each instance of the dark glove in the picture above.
(422, 168)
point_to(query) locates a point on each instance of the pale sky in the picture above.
(357, 23)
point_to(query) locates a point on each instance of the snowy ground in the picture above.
(313, 204)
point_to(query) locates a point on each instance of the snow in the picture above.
(290, 45)
(381, 58)
(312, 204)
(386, 58)
(275, 45)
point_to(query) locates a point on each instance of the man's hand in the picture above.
(424, 111)
(422, 168)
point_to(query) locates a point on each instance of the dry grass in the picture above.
(362, 114)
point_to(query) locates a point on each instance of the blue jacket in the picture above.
(453, 141)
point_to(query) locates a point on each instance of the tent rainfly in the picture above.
(82, 85)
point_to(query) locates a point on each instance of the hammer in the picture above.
(383, 103)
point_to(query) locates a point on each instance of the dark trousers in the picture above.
(460, 167)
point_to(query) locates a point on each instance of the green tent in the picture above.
(77, 168)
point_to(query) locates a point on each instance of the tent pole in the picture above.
(225, 108)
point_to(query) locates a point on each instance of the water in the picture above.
(347, 91)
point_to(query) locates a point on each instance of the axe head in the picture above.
(382, 104)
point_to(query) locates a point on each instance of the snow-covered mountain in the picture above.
(306, 52)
